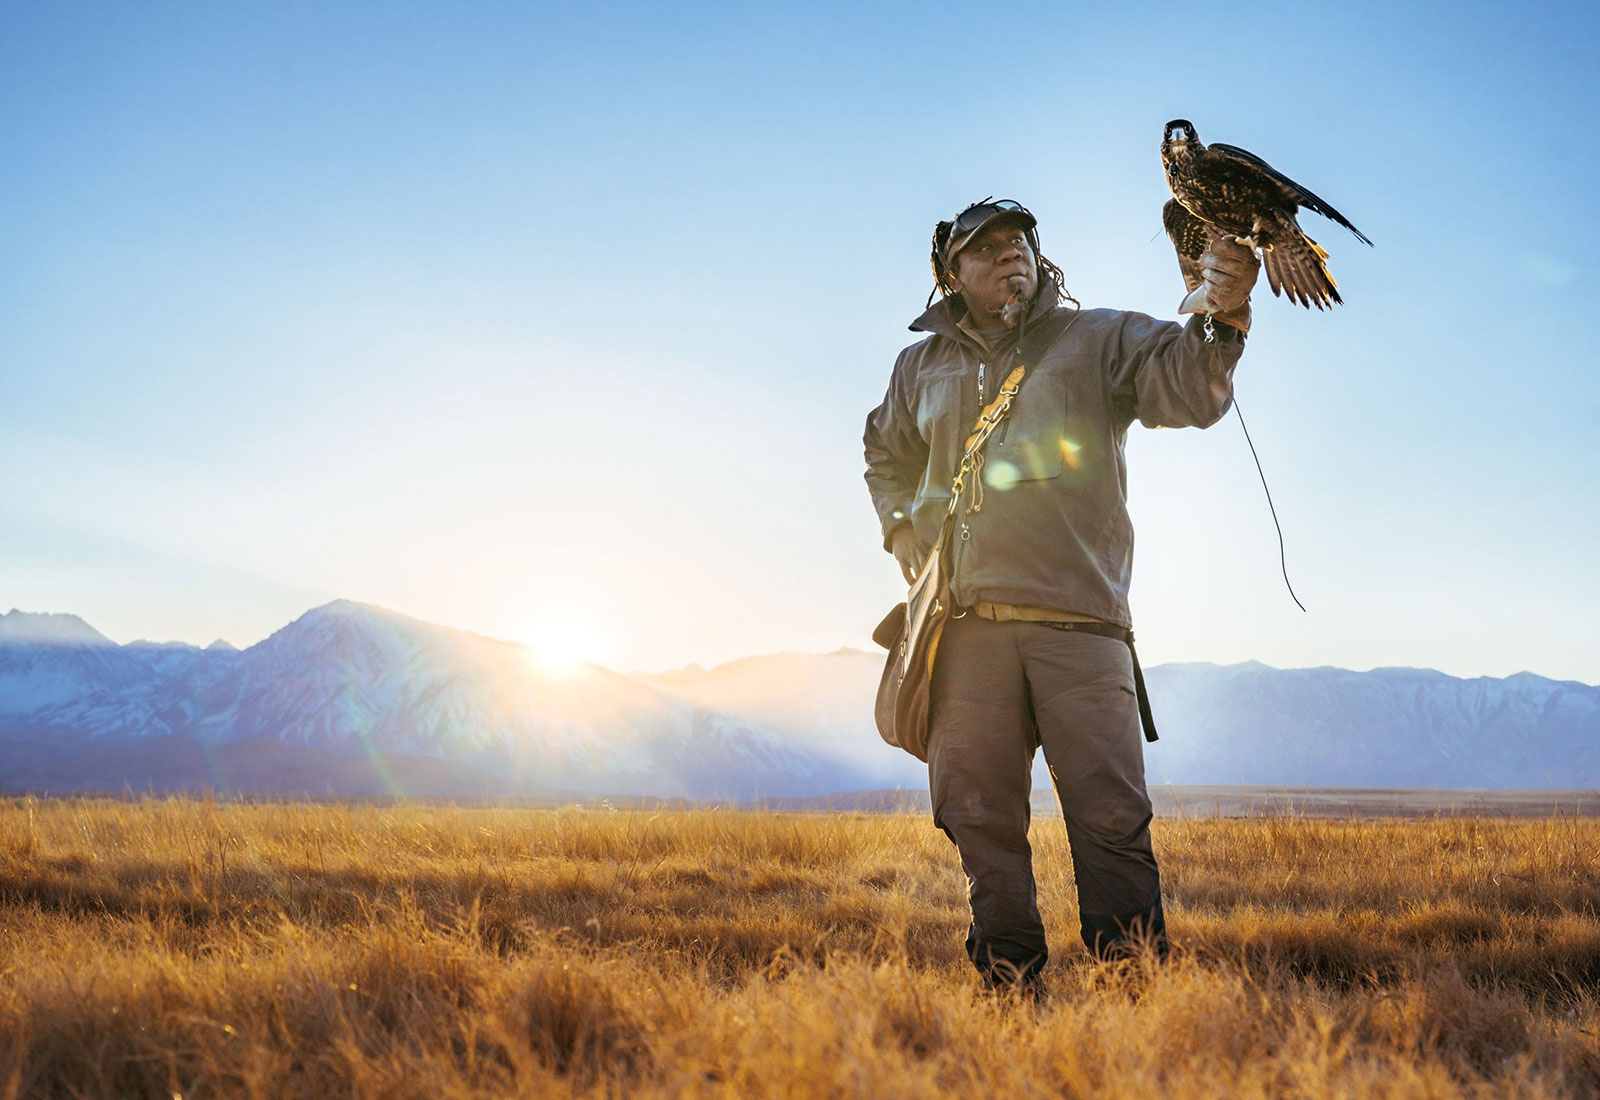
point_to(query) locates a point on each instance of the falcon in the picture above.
(1224, 190)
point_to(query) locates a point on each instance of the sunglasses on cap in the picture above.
(967, 223)
(981, 211)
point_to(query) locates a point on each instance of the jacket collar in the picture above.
(941, 317)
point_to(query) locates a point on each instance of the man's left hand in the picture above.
(1230, 270)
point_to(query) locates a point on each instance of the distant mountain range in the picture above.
(352, 699)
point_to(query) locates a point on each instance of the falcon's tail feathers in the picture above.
(1310, 270)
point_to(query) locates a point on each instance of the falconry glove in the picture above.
(1228, 272)
(1218, 271)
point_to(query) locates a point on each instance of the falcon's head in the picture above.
(1178, 143)
(1179, 139)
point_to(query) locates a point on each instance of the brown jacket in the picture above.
(1053, 531)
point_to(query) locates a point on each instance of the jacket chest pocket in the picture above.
(1031, 442)
(937, 401)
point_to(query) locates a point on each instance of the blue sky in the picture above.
(498, 314)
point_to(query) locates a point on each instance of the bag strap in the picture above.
(1147, 717)
(1033, 345)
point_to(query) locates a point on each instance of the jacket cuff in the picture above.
(1238, 320)
(892, 523)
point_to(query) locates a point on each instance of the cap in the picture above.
(972, 221)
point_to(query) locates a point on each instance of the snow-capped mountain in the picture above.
(48, 629)
(1240, 724)
(1390, 727)
(348, 681)
(50, 661)
(351, 698)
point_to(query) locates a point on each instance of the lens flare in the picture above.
(561, 644)
(1000, 475)
(1069, 452)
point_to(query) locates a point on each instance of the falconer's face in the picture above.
(996, 267)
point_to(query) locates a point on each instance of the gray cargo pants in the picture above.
(1001, 689)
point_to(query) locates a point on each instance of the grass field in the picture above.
(192, 948)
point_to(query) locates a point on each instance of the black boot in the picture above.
(1121, 937)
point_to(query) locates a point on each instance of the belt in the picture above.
(1005, 613)
(1147, 718)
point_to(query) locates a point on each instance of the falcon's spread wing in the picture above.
(1305, 197)
(1189, 237)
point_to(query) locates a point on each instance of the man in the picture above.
(1038, 651)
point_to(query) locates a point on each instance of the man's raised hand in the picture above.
(1229, 270)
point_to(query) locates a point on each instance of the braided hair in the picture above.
(944, 279)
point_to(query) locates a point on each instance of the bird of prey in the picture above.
(1222, 190)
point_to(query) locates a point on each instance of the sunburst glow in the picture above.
(562, 643)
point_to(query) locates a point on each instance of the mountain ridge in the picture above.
(358, 682)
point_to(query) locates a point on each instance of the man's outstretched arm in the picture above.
(1174, 376)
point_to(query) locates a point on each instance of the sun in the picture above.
(561, 644)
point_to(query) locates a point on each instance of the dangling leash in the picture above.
(1283, 560)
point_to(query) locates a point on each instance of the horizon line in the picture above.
(696, 665)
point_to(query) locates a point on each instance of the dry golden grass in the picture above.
(188, 948)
